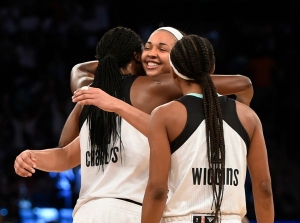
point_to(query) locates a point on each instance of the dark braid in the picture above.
(115, 50)
(193, 56)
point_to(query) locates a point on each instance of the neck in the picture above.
(191, 88)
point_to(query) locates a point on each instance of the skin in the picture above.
(159, 82)
(167, 122)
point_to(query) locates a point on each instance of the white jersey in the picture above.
(189, 183)
(125, 174)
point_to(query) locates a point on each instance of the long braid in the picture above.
(193, 56)
(114, 51)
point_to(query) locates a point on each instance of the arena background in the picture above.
(41, 41)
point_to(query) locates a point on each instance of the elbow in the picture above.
(263, 190)
(74, 78)
(266, 189)
(248, 82)
(159, 193)
(245, 96)
(249, 86)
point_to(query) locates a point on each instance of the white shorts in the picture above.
(108, 210)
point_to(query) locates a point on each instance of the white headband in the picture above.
(177, 72)
(178, 36)
(172, 30)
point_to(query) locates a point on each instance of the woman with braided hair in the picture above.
(109, 192)
(200, 146)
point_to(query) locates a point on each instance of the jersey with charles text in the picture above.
(125, 173)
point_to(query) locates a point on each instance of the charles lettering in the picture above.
(92, 157)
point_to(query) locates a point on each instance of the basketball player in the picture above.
(200, 147)
(102, 153)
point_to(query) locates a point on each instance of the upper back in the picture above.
(195, 116)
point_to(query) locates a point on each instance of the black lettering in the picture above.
(197, 173)
(226, 176)
(93, 158)
(107, 159)
(113, 154)
(97, 158)
(229, 176)
(236, 181)
(87, 156)
(204, 177)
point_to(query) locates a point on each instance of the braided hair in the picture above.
(194, 57)
(114, 51)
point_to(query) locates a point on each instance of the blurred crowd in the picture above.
(41, 41)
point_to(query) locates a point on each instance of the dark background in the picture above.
(41, 41)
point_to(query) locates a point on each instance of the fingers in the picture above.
(82, 99)
(84, 88)
(96, 97)
(24, 164)
(82, 95)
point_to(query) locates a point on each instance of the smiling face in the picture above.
(155, 57)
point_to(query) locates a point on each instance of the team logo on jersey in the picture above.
(198, 218)
(210, 219)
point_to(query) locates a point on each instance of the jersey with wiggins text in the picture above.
(190, 188)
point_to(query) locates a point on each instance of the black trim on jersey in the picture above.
(230, 116)
(127, 82)
(83, 115)
(131, 201)
(194, 107)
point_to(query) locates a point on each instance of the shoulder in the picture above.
(248, 118)
(168, 111)
(168, 107)
(246, 111)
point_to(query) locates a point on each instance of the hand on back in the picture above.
(95, 96)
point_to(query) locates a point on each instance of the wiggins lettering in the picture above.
(91, 161)
(203, 176)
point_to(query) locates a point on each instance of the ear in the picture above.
(137, 56)
(174, 76)
(176, 79)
